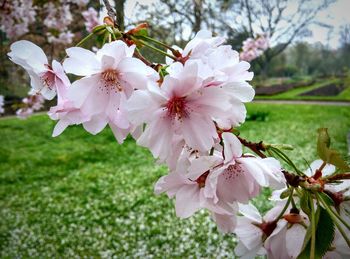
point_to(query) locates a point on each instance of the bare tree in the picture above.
(282, 20)
(345, 35)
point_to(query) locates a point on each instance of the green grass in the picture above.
(86, 196)
(294, 94)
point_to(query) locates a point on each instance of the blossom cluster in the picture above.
(254, 48)
(18, 15)
(185, 113)
(30, 104)
(91, 18)
(284, 238)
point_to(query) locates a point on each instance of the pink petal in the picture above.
(187, 201)
(232, 146)
(81, 62)
(225, 223)
(294, 240)
(198, 132)
(96, 124)
(240, 90)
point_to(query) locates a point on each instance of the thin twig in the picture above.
(111, 13)
(137, 54)
(255, 147)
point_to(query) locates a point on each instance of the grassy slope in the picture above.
(87, 196)
(294, 93)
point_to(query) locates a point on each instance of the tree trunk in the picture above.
(119, 8)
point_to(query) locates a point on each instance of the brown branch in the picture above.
(337, 177)
(292, 179)
(255, 147)
(138, 55)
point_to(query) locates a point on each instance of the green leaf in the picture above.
(328, 155)
(324, 235)
(326, 199)
(142, 32)
(334, 158)
(323, 143)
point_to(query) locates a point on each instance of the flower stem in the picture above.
(284, 157)
(313, 231)
(84, 40)
(155, 49)
(286, 205)
(155, 41)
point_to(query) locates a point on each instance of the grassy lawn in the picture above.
(82, 195)
(294, 94)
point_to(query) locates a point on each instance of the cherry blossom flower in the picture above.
(338, 192)
(91, 18)
(253, 48)
(181, 106)
(109, 78)
(287, 239)
(223, 69)
(241, 177)
(187, 183)
(33, 102)
(278, 239)
(45, 79)
(16, 16)
(2, 104)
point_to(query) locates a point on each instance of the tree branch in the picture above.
(111, 13)
(255, 147)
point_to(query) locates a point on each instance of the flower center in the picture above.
(201, 179)
(176, 107)
(48, 79)
(111, 81)
(233, 171)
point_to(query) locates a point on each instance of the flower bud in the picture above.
(108, 20)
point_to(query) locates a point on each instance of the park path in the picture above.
(331, 103)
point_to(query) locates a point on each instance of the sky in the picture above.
(335, 15)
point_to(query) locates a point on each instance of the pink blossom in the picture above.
(16, 16)
(110, 77)
(45, 79)
(182, 106)
(241, 177)
(278, 239)
(91, 18)
(63, 38)
(253, 48)
(222, 68)
(33, 102)
(24, 113)
(287, 239)
(187, 183)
